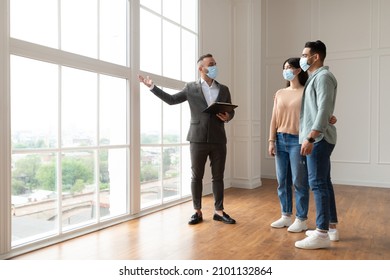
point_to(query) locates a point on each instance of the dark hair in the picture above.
(317, 47)
(294, 62)
(204, 56)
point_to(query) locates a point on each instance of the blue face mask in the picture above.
(303, 63)
(288, 74)
(212, 72)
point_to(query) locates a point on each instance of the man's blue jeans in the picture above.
(318, 165)
(291, 170)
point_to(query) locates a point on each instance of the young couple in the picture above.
(302, 138)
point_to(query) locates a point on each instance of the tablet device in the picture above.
(220, 107)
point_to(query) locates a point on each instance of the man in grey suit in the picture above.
(206, 135)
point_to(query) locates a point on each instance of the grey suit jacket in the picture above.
(205, 127)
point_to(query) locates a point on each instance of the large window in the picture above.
(168, 49)
(165, 161)
(69, 122)
(93, 28)
(72, 88)
(69, 148)
(168, 38)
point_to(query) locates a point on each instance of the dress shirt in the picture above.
(210, 92)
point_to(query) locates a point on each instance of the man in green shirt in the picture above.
(318, 139)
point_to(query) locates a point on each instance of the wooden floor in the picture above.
(364, 226)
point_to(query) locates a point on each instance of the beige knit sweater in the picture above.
(286, 111)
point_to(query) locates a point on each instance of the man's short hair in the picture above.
(317, 47)
(204, 56)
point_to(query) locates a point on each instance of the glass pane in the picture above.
(150, 42)
(113, 30)
(171, 10)
(150, 117)
(34, 103)
(171, 122)
(113, 110)
(35, 21)
(171, 173)
(113, 171)
(189, 17)
(79, 29)
(34, 197)
(151, 184)
(171, 51)
(185, 121)
(189, 56)
(185, 171)
(79, 107)
(78, 188)
(154, 5)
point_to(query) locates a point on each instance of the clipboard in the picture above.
(220, 107)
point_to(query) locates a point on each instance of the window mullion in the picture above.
(59, 153)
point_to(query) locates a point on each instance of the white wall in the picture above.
(215, 38)
(358, 45)
(230, 31)
(252, 38)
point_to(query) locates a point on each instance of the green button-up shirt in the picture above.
(318, 103)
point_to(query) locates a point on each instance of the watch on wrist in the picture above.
(310, 139)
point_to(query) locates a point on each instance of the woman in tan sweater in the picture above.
(284, 145)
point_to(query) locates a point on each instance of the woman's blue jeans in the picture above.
(318, 165)
(291, 170)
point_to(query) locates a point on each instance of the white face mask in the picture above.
(303, 63)
(288, 74)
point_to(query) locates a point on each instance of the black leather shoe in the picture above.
(195, 219)
(225, 218)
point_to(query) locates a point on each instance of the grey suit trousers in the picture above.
(217, 155)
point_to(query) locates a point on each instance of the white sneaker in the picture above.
(284, 221)
(298, 226)
(313, 241)
(333, 234)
